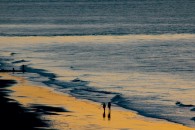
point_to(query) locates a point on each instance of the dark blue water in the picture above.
(96, 17)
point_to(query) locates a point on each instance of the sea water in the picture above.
(138, 54)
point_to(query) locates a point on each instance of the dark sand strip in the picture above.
(13, 115)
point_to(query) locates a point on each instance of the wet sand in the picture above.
(66, 112)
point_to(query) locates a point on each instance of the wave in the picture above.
(76, 87)
(92, 90)
(19, 61)
(178, 103)
(41, 72)
(129, 104)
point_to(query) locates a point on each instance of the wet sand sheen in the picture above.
(82, 114)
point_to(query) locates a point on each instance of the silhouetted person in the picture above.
(109, 106)
(104, 106)
(23, 70)
(13, 70)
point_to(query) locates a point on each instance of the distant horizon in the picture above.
(72, 18)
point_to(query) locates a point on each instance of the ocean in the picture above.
(95, 17)
(138, 54)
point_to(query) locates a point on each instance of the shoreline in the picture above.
(66, 112)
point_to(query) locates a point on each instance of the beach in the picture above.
(65, 112)
(148, 74)
(61, 60)
(13, 114)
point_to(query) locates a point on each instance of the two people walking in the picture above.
(109, 108)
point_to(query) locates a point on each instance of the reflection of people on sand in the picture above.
(104, 114)
(109, 115)
(104, 107)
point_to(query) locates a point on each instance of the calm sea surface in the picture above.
(96, 17)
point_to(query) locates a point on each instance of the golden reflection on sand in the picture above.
(92, 39)
(84, 114)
